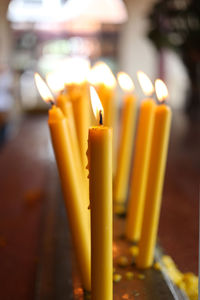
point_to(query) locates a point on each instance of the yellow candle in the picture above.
(100, 182)
(140, 168)
(63, 102)
(65, 105)
(140, 161)
(158, 156)
(121, 181)
(76, 210)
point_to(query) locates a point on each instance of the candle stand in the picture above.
(57, 276)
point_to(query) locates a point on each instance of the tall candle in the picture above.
(76, 210)
(100, 183)
(140, 161)
(158, 156)
(121, 181)
(62, 101)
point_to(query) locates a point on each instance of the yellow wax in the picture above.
(100, 182)
(76, 210)
(140, 168)
(158, 156)
(65, 105)
(79, 96)
(125, 149)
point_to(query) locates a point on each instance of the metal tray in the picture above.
(57, 276)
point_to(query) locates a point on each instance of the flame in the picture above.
(43, 89)
(145, 83)
(161, 90)
(96, 103)
(101, 73)
(125, 82)
(75, 70)
(56, 81)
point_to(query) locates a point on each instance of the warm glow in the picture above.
(101, 73)
(161, 90)
(55, 81)
(96, 103)
(125, 82)
(43, 89)
(75, 70)
(145, 83)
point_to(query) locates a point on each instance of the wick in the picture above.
(51, 102)
(162, 102)
(100, 118)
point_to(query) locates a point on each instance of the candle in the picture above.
(65, 105)
(121, 181)
(102, 78)
(77, 90)
(158, 156)
(56, 81)
(76, 211)
(100, 183)
(140, 161)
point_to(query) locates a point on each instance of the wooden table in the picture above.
(29, 187)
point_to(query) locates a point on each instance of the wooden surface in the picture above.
(28, 185)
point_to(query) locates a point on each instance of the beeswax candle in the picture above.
(158, 156)
(125, 148)
(65, 105)
(76, 210)
(100, 183)
(140, 161)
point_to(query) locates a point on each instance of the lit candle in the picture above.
(140, 161)
(76, 210)
(56, 83)
(158, 156)
(100, 183)
(102, 78)
(127, 129)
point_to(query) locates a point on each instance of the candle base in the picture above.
(58, 277)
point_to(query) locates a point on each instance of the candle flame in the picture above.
(96, 103)
(43, 89)
(125, 82)
(56, 81)
(101, 74)
(161, 90)
(76, 70)
(145, 83)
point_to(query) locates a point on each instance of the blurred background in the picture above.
(161, 38)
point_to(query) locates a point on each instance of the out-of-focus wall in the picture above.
(137, 52)
(5, 34)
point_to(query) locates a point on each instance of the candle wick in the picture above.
(51, 102)
(100, 118)
(162, 102)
